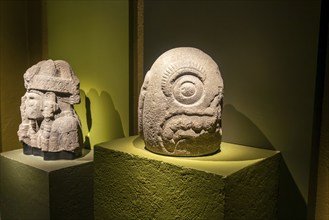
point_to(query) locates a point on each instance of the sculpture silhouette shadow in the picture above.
(100, 119)
(291, 202)
(83, 110)
(239, 129)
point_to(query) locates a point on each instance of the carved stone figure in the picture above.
(180, 104)
(50, 127)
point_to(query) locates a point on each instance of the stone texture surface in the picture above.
(49, 122)
(133, 183)
(180, 104)
(252, 193)
(32, 188)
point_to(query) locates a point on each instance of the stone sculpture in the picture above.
(180, 104)
(50, 126)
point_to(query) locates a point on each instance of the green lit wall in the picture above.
(93, 37)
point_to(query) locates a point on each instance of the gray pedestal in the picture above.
(31, 188)
(132, 183)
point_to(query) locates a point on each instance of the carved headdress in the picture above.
(56, 76)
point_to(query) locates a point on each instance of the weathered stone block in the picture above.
(50, 126)
(132, 183)
(180, 104)
(32, 188)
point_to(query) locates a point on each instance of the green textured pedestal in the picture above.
(132, 183)
(32, 188)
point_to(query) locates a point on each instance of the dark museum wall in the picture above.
(322, 195)
(20, 47)
(267, 54)
(320, 200)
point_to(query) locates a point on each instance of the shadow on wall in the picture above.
(291, 202)
(237, 128)
(100, 120)
(240, 129)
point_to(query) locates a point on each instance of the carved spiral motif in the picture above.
(184, 81)
(187, 89)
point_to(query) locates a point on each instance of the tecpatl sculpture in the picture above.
(50, 127)
(180, 104)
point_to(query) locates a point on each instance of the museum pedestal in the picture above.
(31, 188)
(132, 183)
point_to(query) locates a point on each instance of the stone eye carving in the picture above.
(184, 81)
(180, 104)
(188, 89)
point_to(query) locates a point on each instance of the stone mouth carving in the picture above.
(185, 118)
(179, 130)
(179, 127)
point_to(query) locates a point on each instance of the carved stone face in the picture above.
(49, 105)
(33, 105)
(180, 104)
(50, 127)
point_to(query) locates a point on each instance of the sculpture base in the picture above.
(31, 188)
(28, 150)
(60, 155)
(132, 183)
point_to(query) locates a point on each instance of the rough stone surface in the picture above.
(180, 104)
(252, 193)
(49, 122)
(32, 188)
(133, 183)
